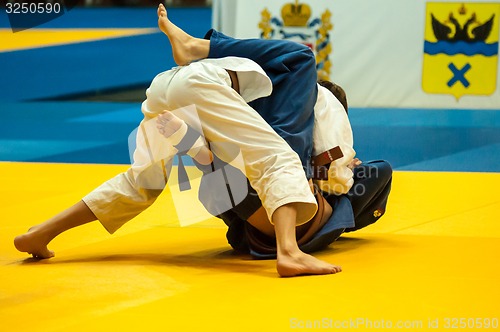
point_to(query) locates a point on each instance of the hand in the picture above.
(354, 163)
(168, 124)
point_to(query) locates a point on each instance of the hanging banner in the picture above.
(386, 53)
(461, 48)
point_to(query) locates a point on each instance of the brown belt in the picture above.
(321, 163)
(327, 156)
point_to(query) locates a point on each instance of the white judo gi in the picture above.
(272, 167)
(332, 128)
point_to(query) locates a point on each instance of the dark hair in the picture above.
(337, 91)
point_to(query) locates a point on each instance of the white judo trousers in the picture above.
(272, 167)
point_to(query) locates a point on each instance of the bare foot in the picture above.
(34, 242)
(303, 264)
(185, 48)
(163, 22)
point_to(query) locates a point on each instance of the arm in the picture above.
(332, 128)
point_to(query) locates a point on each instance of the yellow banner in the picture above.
(461, 48)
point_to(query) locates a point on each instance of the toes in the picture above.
(161, 122)
(167, 115)
(42, 255)
(164, 117)
(161, 10)
(333, 269)
(337, 269)
(162, 130)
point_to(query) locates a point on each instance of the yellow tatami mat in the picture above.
(52, 37)
(429, 264)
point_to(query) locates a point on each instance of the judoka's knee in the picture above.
(308, 52)
(378, 169)
(299, 54)
(384, 170)
(296, 47)
(309, 58)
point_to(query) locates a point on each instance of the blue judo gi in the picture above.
(289, 110)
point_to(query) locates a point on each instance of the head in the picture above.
(337, 91)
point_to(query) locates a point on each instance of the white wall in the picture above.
(377, 51)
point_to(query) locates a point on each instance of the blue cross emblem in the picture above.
(459, 75)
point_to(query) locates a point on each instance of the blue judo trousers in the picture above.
(290, 112)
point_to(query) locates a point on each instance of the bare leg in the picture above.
(260, 220)
(35, 241)
(185, 48)
(291, 261)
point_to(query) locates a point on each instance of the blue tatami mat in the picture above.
(97, 132)
(32, 128)
(69, 132)
(429, 140)
(80, 67)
